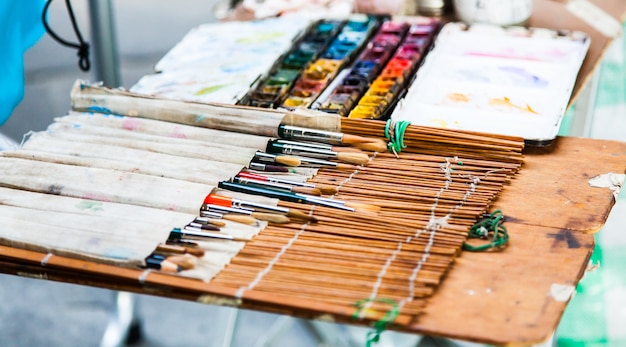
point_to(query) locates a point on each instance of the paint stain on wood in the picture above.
(566, 236)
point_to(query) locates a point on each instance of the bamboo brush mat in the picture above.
(425, 201)
(428, 198)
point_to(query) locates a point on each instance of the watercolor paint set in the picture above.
(355, 68)
(511, 81)
(382, 72)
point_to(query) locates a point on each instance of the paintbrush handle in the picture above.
(242, 188)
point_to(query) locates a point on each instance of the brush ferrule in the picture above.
(274, 179)
(298, 133)
(319, 198)
(306, 144)
(262, 183)
(274, 147)
(264, 157)
(313, 162)
(196, 232)
(224, 209)
(209, 214)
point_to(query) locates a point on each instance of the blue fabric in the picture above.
(20, 28)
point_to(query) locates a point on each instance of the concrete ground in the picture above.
(34, 312)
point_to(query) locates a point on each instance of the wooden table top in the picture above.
(513, 297)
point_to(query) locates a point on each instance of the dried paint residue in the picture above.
(506, 102)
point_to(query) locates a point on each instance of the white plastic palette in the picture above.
(510, 81)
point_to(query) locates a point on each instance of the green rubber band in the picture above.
(387, 136)
(373, 336)
(396, 142)
(400, 129)
(490, 226)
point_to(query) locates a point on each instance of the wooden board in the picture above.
(511, 298)
(552, 188)
(551, 211)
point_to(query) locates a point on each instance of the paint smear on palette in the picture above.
(505, 104)
(260, 38)
(442, 123)
(552, 55)
(503, 75)
(210, 89)
(522, 77)
(501, 104)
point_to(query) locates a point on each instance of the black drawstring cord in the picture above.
(82, 46)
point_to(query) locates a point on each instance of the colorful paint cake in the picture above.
(357, 67)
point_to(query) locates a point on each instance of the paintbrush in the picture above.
(155, 261)
(287, 160)
(281, 195)
(239, 218)
(270, 168)
(174, 249)
(294, 161)
(228, 202)
(324, 188)
(283, 186)
(205, 220)
(204, 226)
(264, 216)
(314, 162)
(314, 135)
(300, 149)
(378, 146)
(184, 261)
(196, 234)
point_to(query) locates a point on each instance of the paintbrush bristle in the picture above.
(353, 158)
(326, 189)
(347, 149)
(301, 215)
(244, 219)
(198, 252)
(271, 217)
(288, 160)
(377, 146)
(217, 223)
(307, 190)
(352, 139)
(184, 261)
(363, 207)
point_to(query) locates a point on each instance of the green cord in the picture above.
(373, 336)
(492, 225)
(396, 139)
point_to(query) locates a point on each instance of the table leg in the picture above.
(104, 42)
(124, 325)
